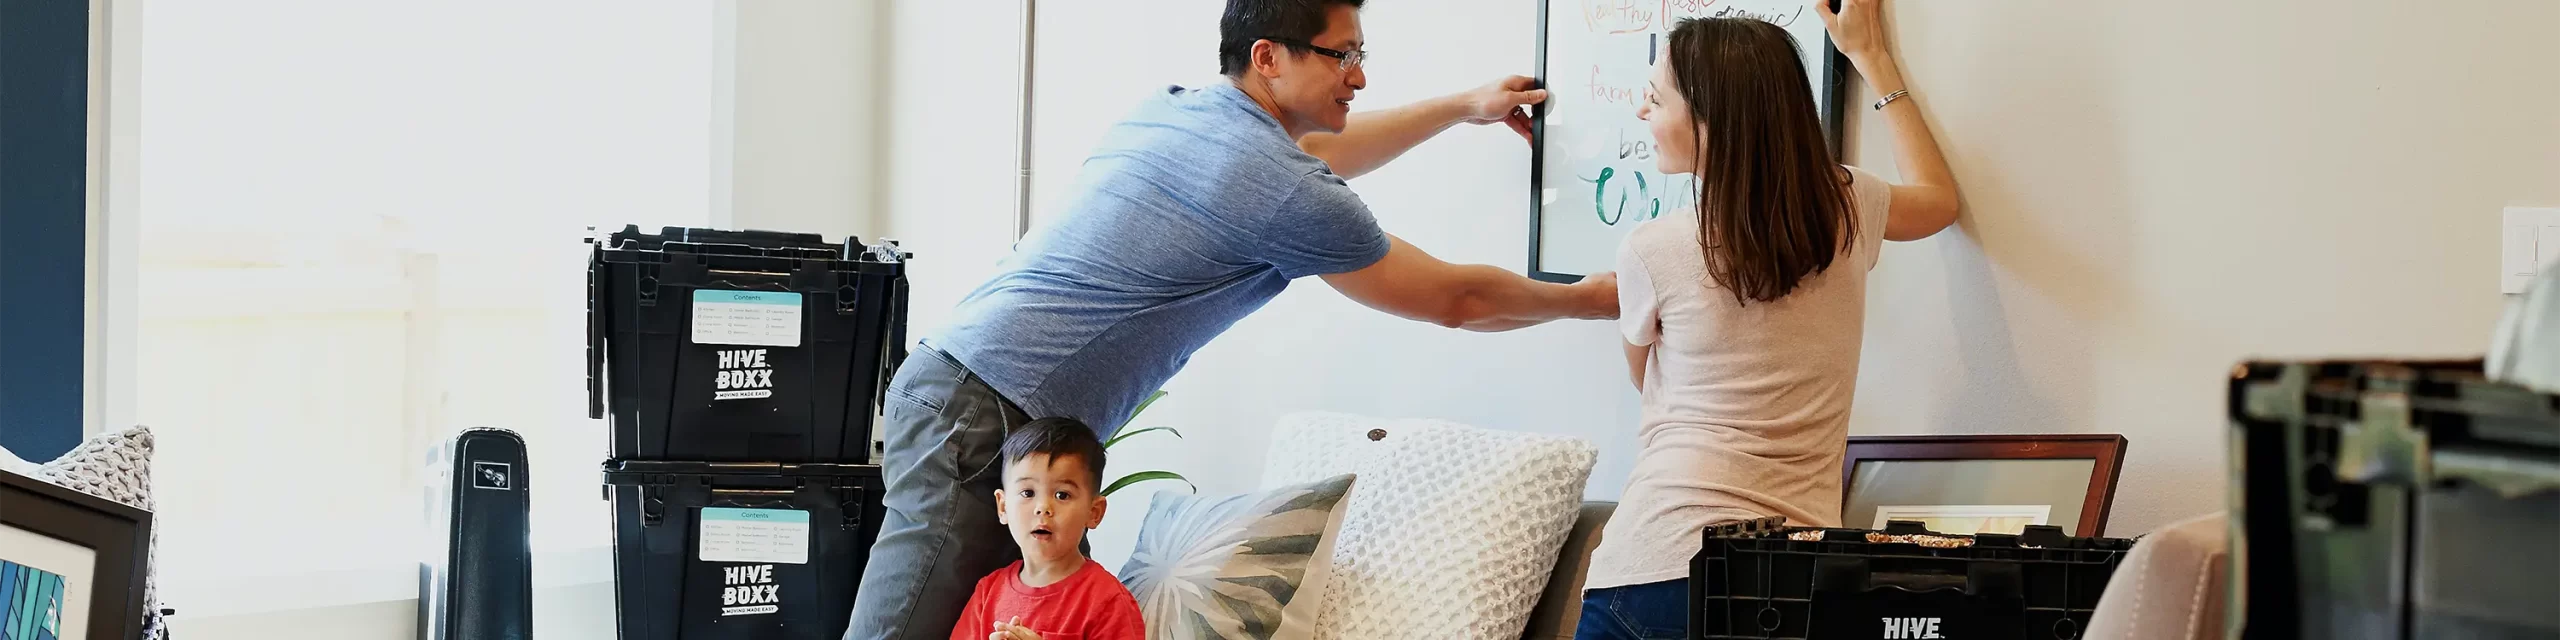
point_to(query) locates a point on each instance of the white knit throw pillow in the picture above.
(117, 466)
(1453, 531)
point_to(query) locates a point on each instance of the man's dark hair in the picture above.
(1247, 21)
(1058, 437)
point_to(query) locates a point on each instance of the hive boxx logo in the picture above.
(1911, 629)
(749, 590)
(743, 375)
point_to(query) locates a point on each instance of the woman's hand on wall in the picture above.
(1857, 29)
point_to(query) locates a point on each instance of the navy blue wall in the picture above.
(44, 111)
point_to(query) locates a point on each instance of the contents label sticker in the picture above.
(754, 535)
(754, 318)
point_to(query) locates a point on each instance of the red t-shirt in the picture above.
(1088, 605)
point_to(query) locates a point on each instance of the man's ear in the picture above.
(1101, 505)
(1266, 58)
(1000, 507)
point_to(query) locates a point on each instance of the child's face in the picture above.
(1049, 503)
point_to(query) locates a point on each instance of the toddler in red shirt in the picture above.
(1052, 494)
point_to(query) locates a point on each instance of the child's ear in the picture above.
(1101, 505)
(1000, 507)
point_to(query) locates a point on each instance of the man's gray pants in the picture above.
(943, 463)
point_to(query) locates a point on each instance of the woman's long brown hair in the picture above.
(1773, 204)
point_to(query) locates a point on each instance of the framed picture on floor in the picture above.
(1982, 483)
(71, 564)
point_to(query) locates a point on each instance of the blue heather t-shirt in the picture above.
(1192, 213)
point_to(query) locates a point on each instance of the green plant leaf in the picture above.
(1144, 476)
(1124, 435)
(1142, 407)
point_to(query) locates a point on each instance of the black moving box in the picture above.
(1763, 579)
(722, 551)
(742, 346)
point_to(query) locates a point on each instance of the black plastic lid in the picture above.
(638, 467)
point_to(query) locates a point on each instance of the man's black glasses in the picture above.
(1352, 58)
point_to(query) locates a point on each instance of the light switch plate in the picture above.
(2528, 242)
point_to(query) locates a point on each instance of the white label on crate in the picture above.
(743, 374)
(754, 535)
(755, 318)
(749, 590)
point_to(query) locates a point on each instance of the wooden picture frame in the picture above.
(2105, 450)
(118, 537)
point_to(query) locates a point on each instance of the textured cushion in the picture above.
(116, 466)
(1231, 567)
(2171, 586)
(1454, 529)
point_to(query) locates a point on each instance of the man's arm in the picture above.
(1413, 285)
(1370, 139)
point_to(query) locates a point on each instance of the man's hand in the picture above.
(1505, 101)
(1372, 138)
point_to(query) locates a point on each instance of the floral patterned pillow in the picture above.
(1230, 567)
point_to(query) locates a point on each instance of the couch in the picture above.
(1561, 605)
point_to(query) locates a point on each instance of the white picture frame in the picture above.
(1588, 184)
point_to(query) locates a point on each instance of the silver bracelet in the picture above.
(1890, 97)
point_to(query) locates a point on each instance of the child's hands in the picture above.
(1012, 630)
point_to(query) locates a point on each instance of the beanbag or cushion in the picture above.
(117, 466)
(1454, 530)
(2171, 587)
(1234, 567)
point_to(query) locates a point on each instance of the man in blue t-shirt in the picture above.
(1189, 215)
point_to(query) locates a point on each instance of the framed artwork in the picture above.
(1982, 484)
(1592, 175)
(71, 564)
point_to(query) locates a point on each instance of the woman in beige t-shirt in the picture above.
(1743, 320)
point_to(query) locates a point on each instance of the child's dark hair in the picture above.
(1058, 437)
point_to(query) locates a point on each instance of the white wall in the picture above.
(2157, 191)
(790, 146)
(948, 171)
(802, 115)
(296, 144)
(2154, 192)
